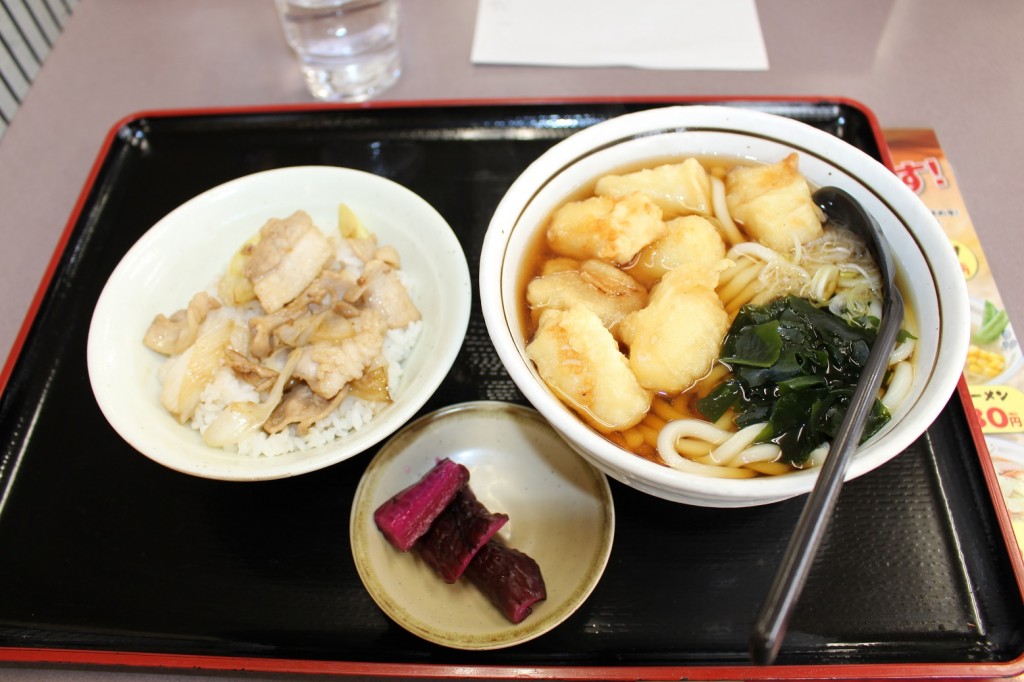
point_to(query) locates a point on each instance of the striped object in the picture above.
(28, 29)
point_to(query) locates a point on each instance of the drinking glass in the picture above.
(348, 49)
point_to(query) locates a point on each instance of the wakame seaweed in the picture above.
(795, 367)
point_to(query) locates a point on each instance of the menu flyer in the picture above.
(995, 367)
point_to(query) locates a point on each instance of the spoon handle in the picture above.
(770, 626)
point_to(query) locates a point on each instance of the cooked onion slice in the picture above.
(242, 419)
(185, 376)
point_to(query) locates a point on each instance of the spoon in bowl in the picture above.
(841, 210)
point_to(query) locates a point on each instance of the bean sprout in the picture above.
(823, 283)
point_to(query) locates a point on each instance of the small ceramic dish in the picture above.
(189, 249)
(560, 513)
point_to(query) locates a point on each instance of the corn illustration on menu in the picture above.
(995, 366)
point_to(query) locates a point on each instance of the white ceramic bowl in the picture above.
(928, 275)
(189, 249)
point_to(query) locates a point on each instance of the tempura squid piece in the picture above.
(581, 362)
(606, 228)
(773, 204)
(690, 239)
(603, 288)
(677, 188)
(674, 341)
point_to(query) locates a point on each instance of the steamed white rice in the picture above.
(350, 415)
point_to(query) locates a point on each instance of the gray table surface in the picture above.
(940, 64)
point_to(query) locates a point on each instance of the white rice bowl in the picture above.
(189, 249)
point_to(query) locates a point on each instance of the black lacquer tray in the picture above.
(106, 557)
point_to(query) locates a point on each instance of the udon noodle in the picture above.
(635, 289)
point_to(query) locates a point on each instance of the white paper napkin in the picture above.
(650, 34)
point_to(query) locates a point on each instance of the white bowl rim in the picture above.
(890, 190)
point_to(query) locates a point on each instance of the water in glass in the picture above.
(348, 48)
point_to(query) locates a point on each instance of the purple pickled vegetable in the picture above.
(406, 516)
(509, 578)
(458, 534)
